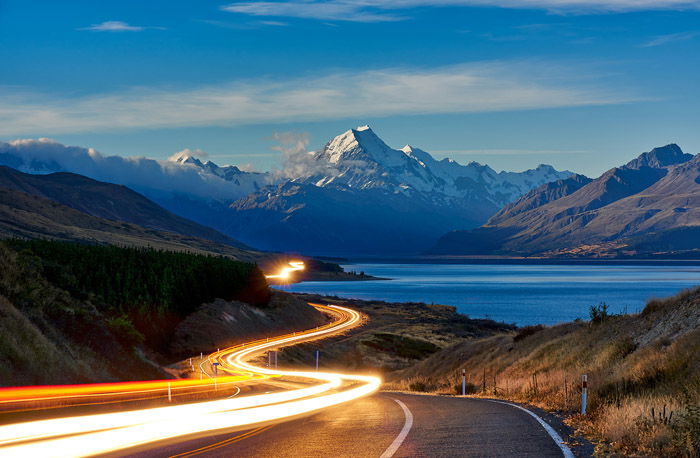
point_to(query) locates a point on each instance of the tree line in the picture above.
(145, 281)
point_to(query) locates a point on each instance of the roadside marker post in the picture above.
(464, 382)
(170, 396)
(318, 353)
(584, 393)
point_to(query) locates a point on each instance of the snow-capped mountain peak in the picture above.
(185, 157)
(358, 158)
(360, 144)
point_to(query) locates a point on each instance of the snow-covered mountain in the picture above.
(243, 181)
(356, 195)
(359, 159)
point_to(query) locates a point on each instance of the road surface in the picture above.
(441, 427)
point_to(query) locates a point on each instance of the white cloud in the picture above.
(385, 10)
(187, 152)
(274, 23)
(297, 160)
(670, 38)
(475, 87)
(117, 26)
(149, 176)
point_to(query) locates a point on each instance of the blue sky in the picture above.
(583, 85)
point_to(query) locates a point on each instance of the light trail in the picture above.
(110, 433)
(294, 266)
(62, 392)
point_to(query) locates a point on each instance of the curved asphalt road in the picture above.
(442, 427)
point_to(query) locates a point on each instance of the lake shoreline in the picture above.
(525, 294)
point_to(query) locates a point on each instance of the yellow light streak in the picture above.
(104, 433)
(284, 273)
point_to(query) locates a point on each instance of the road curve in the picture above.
(114, 432)
(441, 427)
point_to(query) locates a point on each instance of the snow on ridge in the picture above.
(360, 159)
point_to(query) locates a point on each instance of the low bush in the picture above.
(527, 331)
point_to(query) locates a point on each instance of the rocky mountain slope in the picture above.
(640, 208)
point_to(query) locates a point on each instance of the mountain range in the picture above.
(70, 207)
(357, 195)
(647, 207)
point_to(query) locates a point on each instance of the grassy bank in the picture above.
(395, 336)
(643, 372)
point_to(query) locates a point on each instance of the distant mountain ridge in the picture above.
(653, 198)
(380, 200)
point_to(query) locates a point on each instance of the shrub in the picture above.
(686, 431)
(527, 331)
(124, 331)
(404, 347)
(599, 313)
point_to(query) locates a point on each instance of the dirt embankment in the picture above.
(222, 323)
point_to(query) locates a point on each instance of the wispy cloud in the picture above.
(118, 26)
(274, 23)
(395, 10)
(474, 87)
(671, 38)
(327, 11)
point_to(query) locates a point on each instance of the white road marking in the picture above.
(389, 452)
(552, 433)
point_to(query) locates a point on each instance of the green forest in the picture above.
(138, 280)
(143, 292)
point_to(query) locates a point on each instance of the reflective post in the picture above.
(584, 393)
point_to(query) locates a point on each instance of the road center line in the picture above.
(389, 452)
(552, 433)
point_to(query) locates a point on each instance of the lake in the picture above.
(522, 294)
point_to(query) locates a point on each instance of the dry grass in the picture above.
(640, 369)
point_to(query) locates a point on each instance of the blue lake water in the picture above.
(521, 294)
